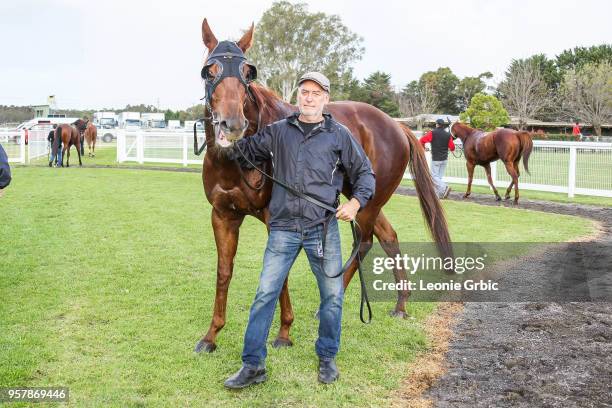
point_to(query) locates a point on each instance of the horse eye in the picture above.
(207, 71)
(251, 73)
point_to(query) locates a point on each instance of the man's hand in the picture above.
(348, 211)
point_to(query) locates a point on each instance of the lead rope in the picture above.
(355, 229)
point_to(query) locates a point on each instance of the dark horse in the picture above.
(483, 148)
(81, 125)
(69, 135)
(237, 114)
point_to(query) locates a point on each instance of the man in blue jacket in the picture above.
(5, 170)
(311, 152)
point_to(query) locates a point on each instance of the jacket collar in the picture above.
(327, 120)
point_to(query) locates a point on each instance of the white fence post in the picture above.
(140, 147)
(184, 149)
(22, 148)
(571, 182)
(120, 146)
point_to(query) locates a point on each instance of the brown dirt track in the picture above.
(536, 354)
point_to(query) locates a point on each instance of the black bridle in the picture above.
(230, 62)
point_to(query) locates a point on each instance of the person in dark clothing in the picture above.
(56, 146)
(5, 170)
(312, 152)
(441, 141)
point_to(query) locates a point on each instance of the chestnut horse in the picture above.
(239, 110)
(91, 134)
(482, 148)
(69, 136)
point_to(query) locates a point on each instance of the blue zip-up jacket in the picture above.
(5, 170)
(314, 164)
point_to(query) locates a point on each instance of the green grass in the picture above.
(530, 194)
(107, 281)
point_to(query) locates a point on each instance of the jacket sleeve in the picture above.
(426, 138)
(5, 170)
(256, 148)
(451, 144)
(358, 168)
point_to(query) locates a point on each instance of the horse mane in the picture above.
(271, 106)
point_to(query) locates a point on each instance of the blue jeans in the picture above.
(281, 251)
(437, 172)
(59, 154)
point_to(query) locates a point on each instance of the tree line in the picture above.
(574, 85)
(290, 40)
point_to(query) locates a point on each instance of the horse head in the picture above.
(459, 130)
(227, 76)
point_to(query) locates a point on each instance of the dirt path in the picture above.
(531, 354)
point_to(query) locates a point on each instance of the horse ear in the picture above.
(210, 41)
(247, 39)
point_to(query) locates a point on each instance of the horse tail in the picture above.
(526, 147)
(430, 204)
(58, 136)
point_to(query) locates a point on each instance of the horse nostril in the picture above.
(245, 125)
(223, 124)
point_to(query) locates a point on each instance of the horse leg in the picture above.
(286, 317)
(508, 190)
(387, 237)
(68, 156)
(514, 174)
(518, 173)
(79, 154)
(226, 238)
(490, 179)
(470, 169)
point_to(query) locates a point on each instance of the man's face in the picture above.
(311, 99)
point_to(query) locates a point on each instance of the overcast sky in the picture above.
(108, 53)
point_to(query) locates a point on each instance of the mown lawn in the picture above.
(107, 281)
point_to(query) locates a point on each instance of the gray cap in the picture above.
(317, 77)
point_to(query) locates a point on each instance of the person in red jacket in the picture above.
(576, 131)
(441, 141)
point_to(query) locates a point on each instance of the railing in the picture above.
(564, 167)
(13, 142)
(157, 147)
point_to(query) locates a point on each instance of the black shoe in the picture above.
(328, 372)
(246, 376)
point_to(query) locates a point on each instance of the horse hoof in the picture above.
(507, 198)
(281, 343)
(205, 346)
(466, 196)
(498, 198)
(398, 314)
(316, 315)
